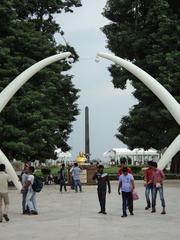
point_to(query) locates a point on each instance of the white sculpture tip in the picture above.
(97, 59)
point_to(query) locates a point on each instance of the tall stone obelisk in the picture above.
(87, 141)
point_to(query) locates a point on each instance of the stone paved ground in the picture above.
(73, 216)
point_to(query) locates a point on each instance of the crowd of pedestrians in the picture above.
(153, 179)
(153, 182)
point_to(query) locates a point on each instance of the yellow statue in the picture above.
(81, 158)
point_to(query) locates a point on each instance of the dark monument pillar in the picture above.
(87, 145)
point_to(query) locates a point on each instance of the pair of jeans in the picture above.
(77, 183)
(127, 201)
(31, 200)
(102, 199)
(161, 195)
(24, 195)
(149, 188)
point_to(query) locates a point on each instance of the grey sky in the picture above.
(106, 104)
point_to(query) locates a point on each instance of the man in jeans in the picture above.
(31, 194)
(4, 198)
(76, 177)
(126, 183)
(24, 190)
(148, 184)
(157, 180)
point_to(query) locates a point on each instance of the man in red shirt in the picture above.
(123, 164)
(157, 180)
(148, 184)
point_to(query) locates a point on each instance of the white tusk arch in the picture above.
(20, 80)
(10, 170)
(166, 98)
(9, 92)
(173, 148)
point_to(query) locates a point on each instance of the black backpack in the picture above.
(37, 184)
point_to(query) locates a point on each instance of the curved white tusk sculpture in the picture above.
(20, 80)
(173, 148)
(166, 98)
(10, 170)
(9, 92)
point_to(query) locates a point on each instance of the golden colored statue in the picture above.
(81, 158)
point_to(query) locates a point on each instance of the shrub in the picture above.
(45, 171)
(136, 169)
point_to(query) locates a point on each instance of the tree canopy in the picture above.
(147, 33)
(39, 117)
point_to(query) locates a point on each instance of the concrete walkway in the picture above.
(73, 216)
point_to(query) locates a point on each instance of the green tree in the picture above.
(147, 33)
(39, 117)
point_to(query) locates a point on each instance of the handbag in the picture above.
(135, 195)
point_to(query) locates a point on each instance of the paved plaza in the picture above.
(73, 216)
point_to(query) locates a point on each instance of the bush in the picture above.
(136, 169)
(45, 171)
(171, 176)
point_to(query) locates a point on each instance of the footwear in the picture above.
(104, 212)
(100, 212)
(33, 212)
(147, 207)
(153, 210)
(25, 212)
(163, 212)
(131, 213)
(6, 217)
(124, 215)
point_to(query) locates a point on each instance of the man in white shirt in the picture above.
(4, 179)
(31, 194)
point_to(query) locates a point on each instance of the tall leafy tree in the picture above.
(39, 117)
(147, 33)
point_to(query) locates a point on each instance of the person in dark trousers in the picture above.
(148, 185)
(102, 181)
(62, 178)
(126, 183)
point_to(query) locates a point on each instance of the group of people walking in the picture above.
(28, 194)
(154, 178)
(153, 182)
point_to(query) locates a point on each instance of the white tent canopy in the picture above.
(136, 156)
(63, 156)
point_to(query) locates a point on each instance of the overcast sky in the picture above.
(106, 104)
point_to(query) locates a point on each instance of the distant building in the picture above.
(64, 157)
(137, 156)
